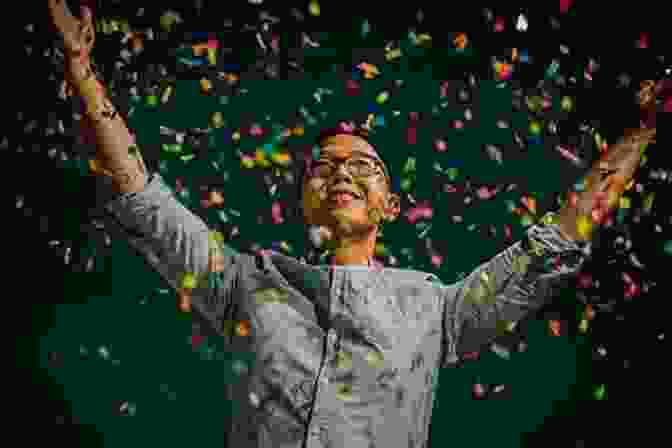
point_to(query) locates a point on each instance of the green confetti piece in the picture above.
(152, 100)
(409, 167)
(600, 392)
(366, 28)
(453, 173)
(172, 148)
(667, 247)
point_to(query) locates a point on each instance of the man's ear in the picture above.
(393, 207)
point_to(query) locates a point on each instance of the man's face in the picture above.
(349, 204)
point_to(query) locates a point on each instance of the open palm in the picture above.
(77, 34)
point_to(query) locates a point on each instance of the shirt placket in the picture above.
(317, 433)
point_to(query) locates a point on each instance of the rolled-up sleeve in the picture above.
(177, 244)
(503, 290)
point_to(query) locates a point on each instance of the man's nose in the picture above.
(341, 173)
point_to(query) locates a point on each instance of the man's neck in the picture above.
(349, 252)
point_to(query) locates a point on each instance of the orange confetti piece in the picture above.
(243, 328)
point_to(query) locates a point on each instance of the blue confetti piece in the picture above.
(268, 149)
(380, 120)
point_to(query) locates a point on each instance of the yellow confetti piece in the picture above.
(247, 162)
(188, 281)
(271, 295)
(93, 166)
(536, 248)
(423, 39)
(260, 158)
(521, 263)
(393, 54)
(314, 8)
(343, 360)
(283, 159)
(648, 202)
(584, 226)
(235, 136)
(375, 359)
(624, 203)
(550, 218)
(168, 91)
(583, 325)
(217, 120)
(630, 185)
(344, 392)
(212, 56)
(205, 85)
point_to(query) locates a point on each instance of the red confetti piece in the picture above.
(351, 87)
(585, 281)
(668, 105)
(554, 327)
(178, 185)
(196, 340)
(471, 355)
(411, 136)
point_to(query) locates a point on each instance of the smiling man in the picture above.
(346, 194)
(345, 354)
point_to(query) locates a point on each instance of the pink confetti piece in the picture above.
(443, 89)
(643, 41)
(178, 185)
(565, 5)
(440, 145)
(276, 213)
(256, 130)
(507, 232)
(483, 193)
(585, 281)
(499, 24)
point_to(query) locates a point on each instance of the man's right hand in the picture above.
(78, 34)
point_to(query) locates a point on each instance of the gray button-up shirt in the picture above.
(340, 356)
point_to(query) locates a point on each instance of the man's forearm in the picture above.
(116, 156)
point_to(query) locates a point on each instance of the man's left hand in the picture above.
(604, 185)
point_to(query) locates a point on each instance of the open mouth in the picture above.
(343, 199)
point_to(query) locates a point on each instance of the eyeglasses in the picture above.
(358, 167)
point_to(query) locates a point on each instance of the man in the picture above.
(345, 354)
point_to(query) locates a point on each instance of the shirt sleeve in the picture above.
(503, 290)
(178, 245)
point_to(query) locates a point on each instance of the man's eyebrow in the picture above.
(355, 152)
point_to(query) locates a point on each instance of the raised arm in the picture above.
(116, 156)
(502, 291)
(175, 242)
